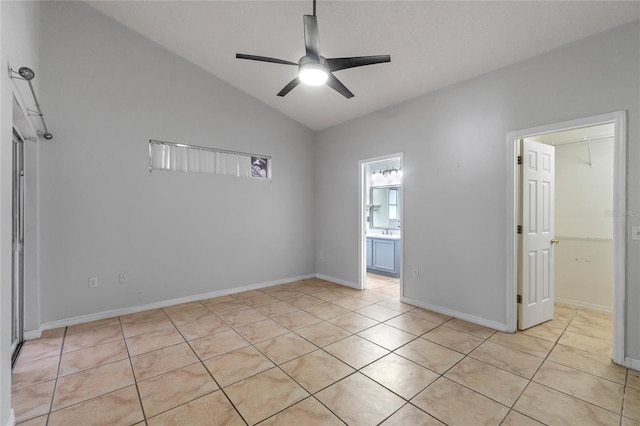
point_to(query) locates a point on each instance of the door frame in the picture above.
(362, 235)
(17, 264)
(23, 127)
(619, 120)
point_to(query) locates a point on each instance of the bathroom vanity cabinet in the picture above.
(383, 255)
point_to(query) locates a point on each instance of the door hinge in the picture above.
(519, 298)
(519, 229)
(519, 159)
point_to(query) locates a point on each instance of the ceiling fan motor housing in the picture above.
(308, 60)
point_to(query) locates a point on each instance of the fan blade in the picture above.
(311, 37)
(336, 64)
(263, 59)
(337, 85)
(289, 87)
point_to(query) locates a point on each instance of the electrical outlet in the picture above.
(122, 277)
(416, 273)
(321, 255)
(93, 282)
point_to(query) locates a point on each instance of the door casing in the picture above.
(362, 237)
(17, 252)
(619, 120)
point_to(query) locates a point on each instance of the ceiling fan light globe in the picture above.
(313, 74)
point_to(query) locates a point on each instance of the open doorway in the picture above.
(24, 223)
(17, 258)
(381, 212)
(583, 258)
(568, 242)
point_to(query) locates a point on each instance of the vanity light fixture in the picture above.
(388, 176)
(377, 178)
(389, 171)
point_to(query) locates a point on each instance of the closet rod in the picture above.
(570, 142)
(27, 75)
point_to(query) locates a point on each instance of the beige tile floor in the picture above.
(316, 353)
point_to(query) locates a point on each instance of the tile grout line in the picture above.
(61, 353)
(321, 348)
(133, 373)
(95, 367)
(536, 372)
(624, 396)
(209, 372)
(180, 333)
(199, 360)
(467, 355)
(440, 375)
(460, 384)
(278, 366)
(55, 386)
(584, 372)
(415, 337)
(356, 370)
(556, 343)
(51, 411)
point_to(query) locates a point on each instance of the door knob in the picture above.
(555, 241)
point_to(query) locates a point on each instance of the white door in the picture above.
(536, 263)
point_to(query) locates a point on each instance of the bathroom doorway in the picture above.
(380, 219)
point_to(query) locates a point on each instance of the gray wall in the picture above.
(19, 46)
(106, 91)
(455, 171)
(584, 193)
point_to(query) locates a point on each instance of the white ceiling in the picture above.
(432, 44)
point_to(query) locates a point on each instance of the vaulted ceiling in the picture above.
(432, 44)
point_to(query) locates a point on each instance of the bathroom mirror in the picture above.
(384, 207)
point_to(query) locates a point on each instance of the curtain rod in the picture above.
(27, 75)
(205, 148)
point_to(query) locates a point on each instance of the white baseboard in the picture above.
(49, 325)
(338, 281)
(476, 320)
(460, 315)
(632, 363)
(11, 421)
(33, 334)
(584, 305)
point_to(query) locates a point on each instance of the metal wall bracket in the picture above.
(27, 74)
